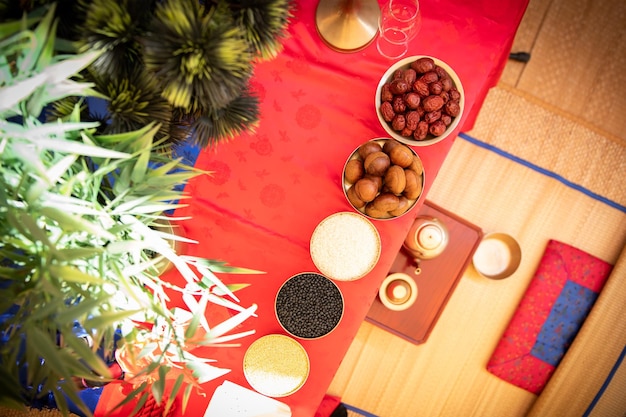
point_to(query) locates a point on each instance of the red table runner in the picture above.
(269, 190)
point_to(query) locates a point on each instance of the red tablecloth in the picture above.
(270, 189)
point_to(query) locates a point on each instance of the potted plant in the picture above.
(191, 60)
(80, 224)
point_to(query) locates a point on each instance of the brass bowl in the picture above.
(398, 291)
(430, 139)
(363, 210)
(309, 306)
(498, 256)
(276, 365)
(345, 246)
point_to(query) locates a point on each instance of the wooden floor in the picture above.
(576, 78)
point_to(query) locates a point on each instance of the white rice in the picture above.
(345, 246)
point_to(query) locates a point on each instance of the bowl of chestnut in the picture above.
(419, 100)
(383, 179)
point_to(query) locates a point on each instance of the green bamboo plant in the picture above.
(79, 226)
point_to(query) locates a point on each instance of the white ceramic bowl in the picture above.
(430, 139)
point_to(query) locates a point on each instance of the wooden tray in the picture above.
(436, 282)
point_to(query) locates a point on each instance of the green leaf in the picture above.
(140, 403)
(173, 393)
(68, 146)
(75, 254)
(141, 165)
(42, 32)
(220, 266)
(109, 319)
(204, 372)
(9, 28)
(232, 322)
(91, 358)
(11, 95)
(73, 274)
(45, 33)
(39, 341)
(186, 396)
(232, 287)
(70, 222)
(158, 387)
(193, 325)
(32, 230)
(79, 310)
(207, 341)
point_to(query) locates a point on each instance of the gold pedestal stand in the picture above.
(347, 25)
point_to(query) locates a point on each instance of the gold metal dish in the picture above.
(345, 246)
(276, 365)
(410, 203)
(309, 306)
(398, 291)
(498, 256)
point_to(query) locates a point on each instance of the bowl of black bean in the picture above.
(309, 305)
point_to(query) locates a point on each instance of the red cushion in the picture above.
(552, 310)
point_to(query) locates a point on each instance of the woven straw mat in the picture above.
(544, 136)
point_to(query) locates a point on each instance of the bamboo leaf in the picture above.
(208, 275)
(74, 254)
(56, 129)
(223, 339)
(35, 232)
(232, 322)
(158, 387)
(232, 287)
(109, 319)
(193, 325)
(63, 70)
(131, 204)
(42, 32)
(186, 396)
(141, 165)
(91, 358)
(68, 146)
(80, 310)
(73, 274)
(70, 222)
(204, 372)
(127, 138)
(11, 95)
(46, 30)
(39, 341)
(173, 393)
(220, 266)
(9, 28)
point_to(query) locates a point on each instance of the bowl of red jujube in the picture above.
(419, 100)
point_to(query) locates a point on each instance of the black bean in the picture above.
(309, 305)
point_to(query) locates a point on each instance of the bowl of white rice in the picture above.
(345, 246)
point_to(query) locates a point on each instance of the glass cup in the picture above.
(399, 23)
